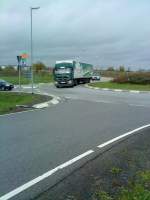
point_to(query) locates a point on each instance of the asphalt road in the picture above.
(32, 143)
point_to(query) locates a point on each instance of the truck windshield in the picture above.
(63, 71)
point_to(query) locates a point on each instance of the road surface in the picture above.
(32, 143)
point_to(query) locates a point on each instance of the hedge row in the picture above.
(134, 78)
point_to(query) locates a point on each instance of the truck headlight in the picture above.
(70, 82)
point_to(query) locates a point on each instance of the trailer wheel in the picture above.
(89, 80)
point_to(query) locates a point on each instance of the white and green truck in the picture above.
(71, 73)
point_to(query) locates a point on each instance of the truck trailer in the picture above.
(70, 73)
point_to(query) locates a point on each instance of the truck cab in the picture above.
(70, 73)
(63, 73)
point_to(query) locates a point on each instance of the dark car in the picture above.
(4, 85)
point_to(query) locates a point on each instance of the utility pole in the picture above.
(32, 78)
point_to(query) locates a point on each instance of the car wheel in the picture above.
(3, 88)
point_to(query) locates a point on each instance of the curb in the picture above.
(116, 90)
(26, 86)
(29, 86)
(55, 100)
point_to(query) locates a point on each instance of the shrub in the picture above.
(38, 67)
(122, 69)
(121, 79)
(9, 71)
(133, 78)
(110, 69)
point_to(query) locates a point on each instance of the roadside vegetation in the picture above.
(38, 78)
(128, 175)
(41, 74)
(123, 86)
(10, 100)
(137, 189)
(125, 80)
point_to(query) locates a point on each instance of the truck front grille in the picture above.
(62, 79)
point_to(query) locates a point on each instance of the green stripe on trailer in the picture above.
(83, 70)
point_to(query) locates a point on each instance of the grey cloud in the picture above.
(102, 32)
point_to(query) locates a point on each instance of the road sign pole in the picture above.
(19, 72)
(19, 77)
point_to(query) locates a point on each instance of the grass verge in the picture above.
(37, 79)
(123, 86)
(10, 100)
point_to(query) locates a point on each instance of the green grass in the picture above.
(137, 189)
(123, 86)
(46, 78)
(8, 101)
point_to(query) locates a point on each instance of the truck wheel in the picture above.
(72, 85)
(89, 80)
(75, 82)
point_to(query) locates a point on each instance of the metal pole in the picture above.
(32, 72)
(19, 77)
(31, 54)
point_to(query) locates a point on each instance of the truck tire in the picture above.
(89, 80)
(75, 82)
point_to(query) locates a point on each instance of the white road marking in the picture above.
(105, 89)
(139, 105)
(44, 176)
(54, 101)
(41, 105)
(134, 91)
(66, 164)
(118, 90)
(103, 101)
(122, 136)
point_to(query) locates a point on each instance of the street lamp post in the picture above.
(32, 80)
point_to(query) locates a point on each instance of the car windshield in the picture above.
(2, 81)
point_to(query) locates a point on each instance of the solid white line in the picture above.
(44, 176)
(138, 105)
(100, 101)
(134, 91)
(122, 136)
(64, 165)
(118, 90)
(105, 89)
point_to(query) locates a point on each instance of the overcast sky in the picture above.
(101, 32)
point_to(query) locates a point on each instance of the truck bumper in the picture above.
(66, 84)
